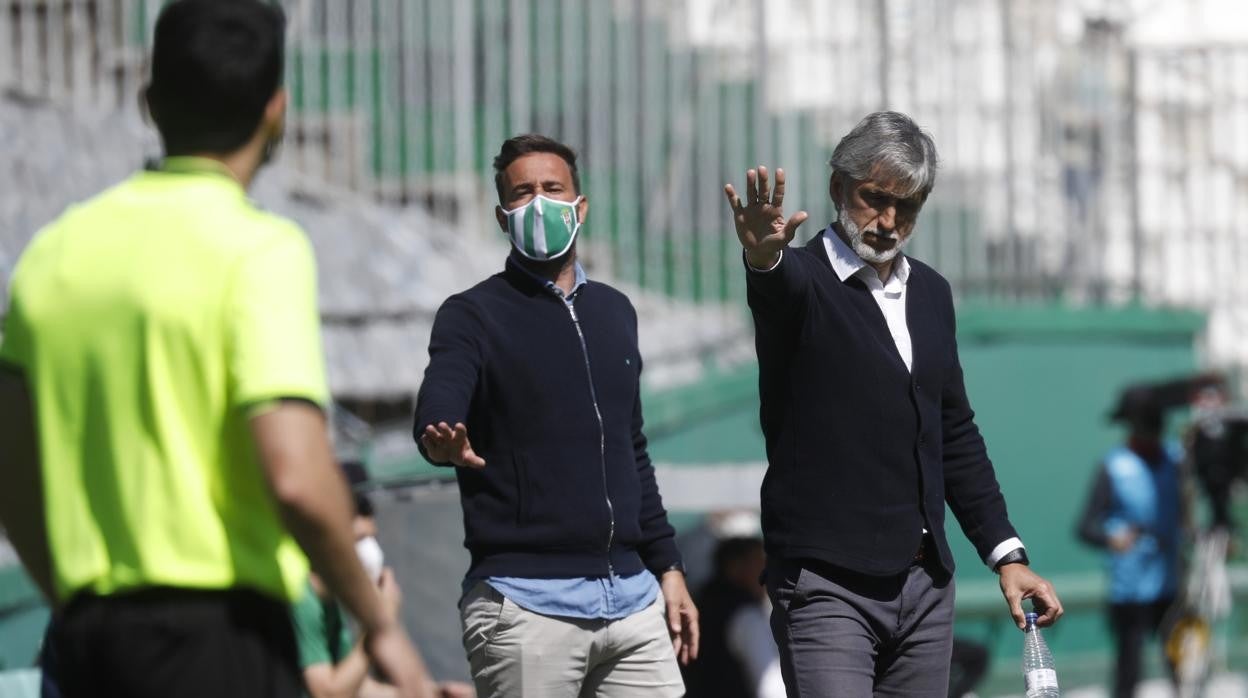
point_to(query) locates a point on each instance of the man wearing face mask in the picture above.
(532, 391)
(167, 474)
(869, 431)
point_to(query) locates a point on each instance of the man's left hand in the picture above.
(1018, 582)
(682, 616)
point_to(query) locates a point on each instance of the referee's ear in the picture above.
(274, 119)
(146, 111)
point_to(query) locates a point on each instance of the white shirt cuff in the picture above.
(1005, 546)
(763, 271)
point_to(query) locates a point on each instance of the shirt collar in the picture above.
(189, 164)
(847, 263)
(581, 280)
(201, 170)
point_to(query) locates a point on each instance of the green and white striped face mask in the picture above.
(543, 228)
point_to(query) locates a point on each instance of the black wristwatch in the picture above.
(674, 567)
(1015, 555)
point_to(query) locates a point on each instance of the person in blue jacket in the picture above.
(1134, 513)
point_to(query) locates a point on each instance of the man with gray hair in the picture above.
(869, 431)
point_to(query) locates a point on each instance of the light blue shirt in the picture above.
(604, 598)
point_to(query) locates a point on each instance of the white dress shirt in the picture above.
(890, 295)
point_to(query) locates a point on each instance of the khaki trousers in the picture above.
(514, 653)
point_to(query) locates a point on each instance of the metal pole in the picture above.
(881, 18)
(1009, 258)
(1133, 189)
(762, 151)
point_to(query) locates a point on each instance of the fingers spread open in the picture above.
(764, 186)
(790, 228)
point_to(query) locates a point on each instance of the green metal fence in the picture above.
(1070, 139)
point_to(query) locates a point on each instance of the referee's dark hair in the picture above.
(215, 66)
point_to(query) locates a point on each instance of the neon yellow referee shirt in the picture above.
(148, 321)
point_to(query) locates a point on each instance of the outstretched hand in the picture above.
(445, 444)
(761, 226)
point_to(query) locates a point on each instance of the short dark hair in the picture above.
(215, 66)
(516, 146)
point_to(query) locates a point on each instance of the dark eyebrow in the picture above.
(871, 191)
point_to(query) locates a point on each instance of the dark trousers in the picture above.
(1132, 624)
(850, 635)
(169, 642)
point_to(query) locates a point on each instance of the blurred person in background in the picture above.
(533, 393)
(1218, 448)
(738, 658)
(334, 663)
(968, 664)
(167, 464)
(1134, 513)
(868, 428)
(1216, 445)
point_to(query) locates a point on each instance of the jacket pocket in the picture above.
(558, 498)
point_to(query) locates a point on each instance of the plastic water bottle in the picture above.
(1038, 669)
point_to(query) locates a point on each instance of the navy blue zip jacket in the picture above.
(552, 403)
(863, 454)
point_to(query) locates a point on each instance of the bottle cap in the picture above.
(1031, 617)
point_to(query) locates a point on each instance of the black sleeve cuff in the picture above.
(1015, 555)
(661, 556)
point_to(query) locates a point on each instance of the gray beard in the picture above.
(868, 253)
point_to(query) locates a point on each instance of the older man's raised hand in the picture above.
(761, 226)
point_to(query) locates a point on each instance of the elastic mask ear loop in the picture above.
(576, 214)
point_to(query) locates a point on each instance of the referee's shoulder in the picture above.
(260, 229)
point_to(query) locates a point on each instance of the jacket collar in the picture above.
(846, 263)
(918, 309)
(531, 283)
